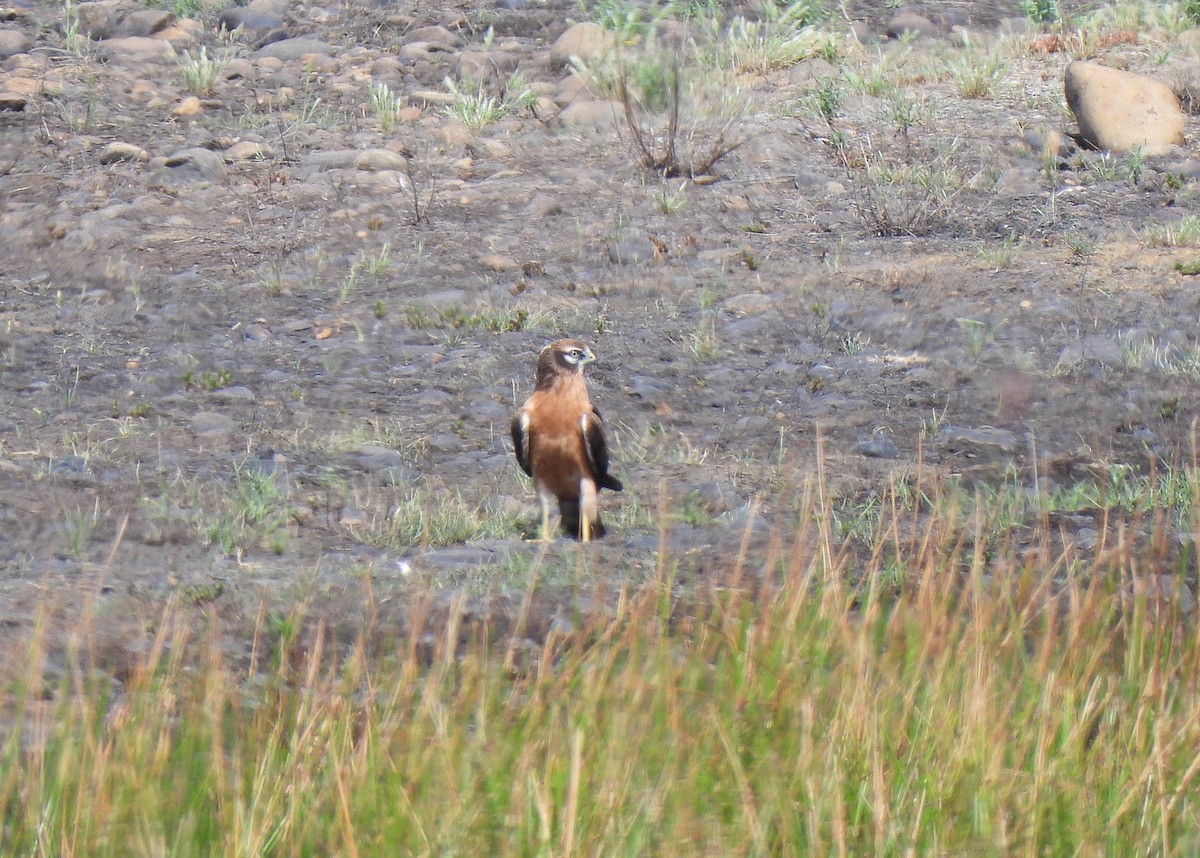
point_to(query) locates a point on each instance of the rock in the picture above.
(352, 516)
(543, 205)
(1161, 593)
(433, 35)
(877, 447)
(372, 160)
(71, 467)
(236, 393)
(631, 251)
(97, 21)
(574, 87)
(13, 42)
(145, 22)
(1046, 143)
(600, 115)
(376, 160)
(984, 440)
(1095, 348)
(132, 50)
(584, 40)
(294, 49)
(117, 151)
(194, 165)
(482, 65)
(190, 106)
(431, 52)
(212, 424)
(499, 262)
(432, 97)
(11, 101)
(247, 150)
(750, 304)
(1019, 182)
(751, 424)
(904, 23)
(250, 20)
(1119, 111)
(28, 86)
(810, 71)
(1189, 40)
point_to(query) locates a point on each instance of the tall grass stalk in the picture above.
(932, 690)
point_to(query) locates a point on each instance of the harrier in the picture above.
(558, 437)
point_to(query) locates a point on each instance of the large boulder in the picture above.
(1119, 111)
(585, 40)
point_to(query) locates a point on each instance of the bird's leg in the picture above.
(588, 511)
(547, 535)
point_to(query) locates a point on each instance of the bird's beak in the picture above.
(588, 356)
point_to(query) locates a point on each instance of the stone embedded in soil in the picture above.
(13, 42)
(73, 469)
(1119, 111)
(296, 48)
(910, 23)
(117, 152)
(1162, 592)
(194, 165)
(434, 34)
(1105, 351)
(584, 40)
(370, 160)
(248, 150)
(212, 424)
(750, 304)
(543, 205)
(985, 440)
(499, 262)
(96, 20)
(878, 447)
(632, 251)
(190, 106)
(236, 393)
(145, 22)
(252, 21)
(599, 115)
(133, 50)
(352, 516)
(483, 65)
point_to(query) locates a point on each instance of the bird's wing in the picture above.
(596, 448)
(520, 439)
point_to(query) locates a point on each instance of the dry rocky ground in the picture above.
(260, 341)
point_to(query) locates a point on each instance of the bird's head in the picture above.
(560, 357)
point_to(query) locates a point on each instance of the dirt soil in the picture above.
(270, 359)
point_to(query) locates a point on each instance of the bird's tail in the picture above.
(569, 510)
(608, 481)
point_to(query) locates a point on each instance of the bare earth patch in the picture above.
(269, 299)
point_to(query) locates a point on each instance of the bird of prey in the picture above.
(558, 437)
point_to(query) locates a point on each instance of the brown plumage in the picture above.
(558, 437)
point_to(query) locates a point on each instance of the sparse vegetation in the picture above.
(682, 124)
(201, 72)
(1183, 233)
(1000, 258)
(478, 108)
(931, 693)
(976, 73)
(385, 106)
